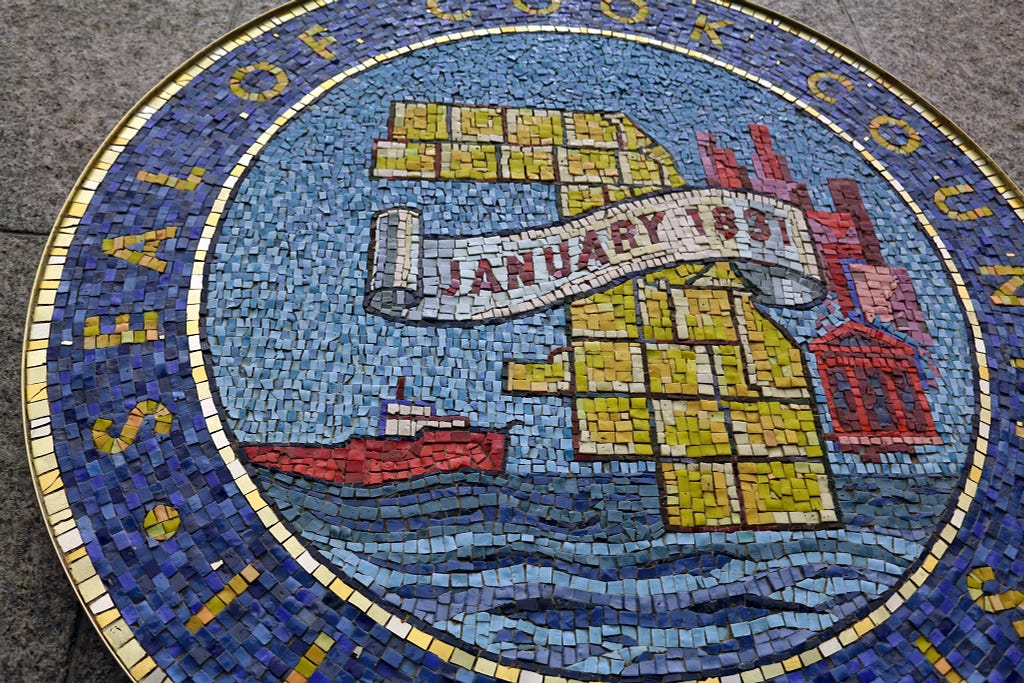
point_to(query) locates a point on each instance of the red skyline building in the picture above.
(871, 377)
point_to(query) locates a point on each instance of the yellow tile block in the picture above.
(691, 428)
(609, 366)
(731, 371)
(316, 654)
(673, 369)
(614, 426)
(405, 160)
(777, 360)
(469, 162)
(608, 314)
(534, 127)
(305, 668)
(592, 129)
(678, 276)
(419, 121)
(528, 164)
(617, 194)
(592, 166)
(238, 584)
(442, 650)
(507, 673)
(704, 315)
(670, 176)
(640, 169)
(217, 603)
(478, 124)
(700, 494)
(538, 377)
(656, 311)
(324, 642)
(576, 199)
(770, 428)
(631, 137)
(781, 492)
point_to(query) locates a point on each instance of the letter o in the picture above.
(280, 82)
(638, 16)
(553, 6)
(913, 137)
(434, 7)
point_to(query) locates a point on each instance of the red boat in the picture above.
(412, 441)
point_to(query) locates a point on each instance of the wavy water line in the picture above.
(654, 607)
(543, 588)
(435, 486)
(459, 546)
(783, 573)
(480, 557)
(504, 634)
(577, 510)
(668, 644)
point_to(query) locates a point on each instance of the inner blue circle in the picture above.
(525, 563)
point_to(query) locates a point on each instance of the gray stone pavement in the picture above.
(72, 68)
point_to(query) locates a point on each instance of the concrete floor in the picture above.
(74, 67)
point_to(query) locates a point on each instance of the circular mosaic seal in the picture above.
(534, 342)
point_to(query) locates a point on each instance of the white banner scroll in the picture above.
(471, 280)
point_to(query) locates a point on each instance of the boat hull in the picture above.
(376, 461)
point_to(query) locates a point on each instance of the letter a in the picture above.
(592, 248)
(484, 278)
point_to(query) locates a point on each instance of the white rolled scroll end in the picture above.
(395, 282)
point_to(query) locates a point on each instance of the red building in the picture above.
(870, 376)
(874, 391)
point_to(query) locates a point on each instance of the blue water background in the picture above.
(297, 360)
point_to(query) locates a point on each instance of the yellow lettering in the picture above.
(940, 663)
(318, 46)
(122, 333)
(1006, 293)
(108, 443)
(237, 84)
(215, 605)
(640, 11)
(990, 602)
(702, 27)
(818, 76)
(944, 194)
(552, 7)
(993, 602)
(187, 184)
(434, 7)
(912, 142)
(313, 658)
(121, 247)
